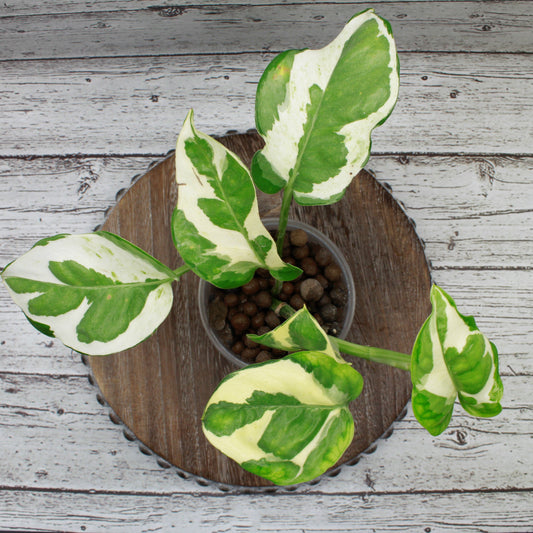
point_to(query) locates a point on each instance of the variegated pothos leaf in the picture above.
(299, 332)
(451, 358)
(216, 225)
(285, 420)
(316, 110)
(97, 293)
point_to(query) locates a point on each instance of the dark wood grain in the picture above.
(159, 388)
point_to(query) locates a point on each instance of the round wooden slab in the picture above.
(160, 388)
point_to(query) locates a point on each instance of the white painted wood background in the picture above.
(92, 92)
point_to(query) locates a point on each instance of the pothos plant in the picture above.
(286, 420)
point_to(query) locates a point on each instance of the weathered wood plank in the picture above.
(477, 476)
(164, 8)
(45, 196)
(51, 425)
(486, 200)
(111, 513)
(234, 28)
(471, 212)
(448, 103)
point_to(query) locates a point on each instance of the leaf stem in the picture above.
(284, 217)
(378, 355)
(282, 229)
(180, 271)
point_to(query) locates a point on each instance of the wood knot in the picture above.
(168, 12)
(460, 437)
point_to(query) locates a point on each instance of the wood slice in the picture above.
(159, 389)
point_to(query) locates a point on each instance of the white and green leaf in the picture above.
(316, 110)
(299, 332)
(451, 358)
(216, 225)
(97, 293)
(285, 420)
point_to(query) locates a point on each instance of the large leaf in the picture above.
(216, 225)
(316, 110)
(285, 420)
(299, 332)
(451, 358)
(97, 293)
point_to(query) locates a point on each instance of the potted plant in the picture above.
(287, 419)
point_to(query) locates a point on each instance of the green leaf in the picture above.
(451, 358)
(285, 420)
(316, 110)
(299, 332)
(216, 225)
(97, 293)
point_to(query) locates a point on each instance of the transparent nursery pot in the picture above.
(205, 289)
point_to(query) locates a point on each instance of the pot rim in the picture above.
(270, 223)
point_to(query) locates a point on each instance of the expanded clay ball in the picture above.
(249, 353)
(249, 308)
(333, 272)
(311, 290)
(300, 252)
(323, 257)
(231, 299)
(328, 312)
(251, 287)
(298, 237)
(272, 320)
(262, 356)
(238, 347)
(309, 266)
(287, 288)
(339, 296)
(296, 301)
(240, 322)
(263, 299)
(217, 314)
(257, 320)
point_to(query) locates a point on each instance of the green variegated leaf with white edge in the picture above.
(451, 358)
(216, 225)
(301, 331)
(97, 293)
(316, 110)
(286, 420)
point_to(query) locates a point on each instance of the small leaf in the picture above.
(316, 110)
(216, 225)
(97, 293)
(285, 420)
(451, 358)
(299, 332)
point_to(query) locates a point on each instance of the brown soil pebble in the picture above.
(311, 290)
(298, 237)
(239, 312)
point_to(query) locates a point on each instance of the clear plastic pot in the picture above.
(205, 289)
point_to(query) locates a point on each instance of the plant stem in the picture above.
(284, 217)
(378, 355)
(281, 308)
(282, 229)
(180, 271)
